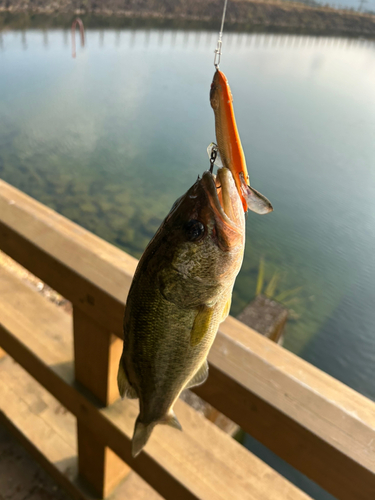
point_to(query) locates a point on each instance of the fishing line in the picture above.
(220, 42)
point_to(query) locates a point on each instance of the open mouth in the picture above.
(224, 197)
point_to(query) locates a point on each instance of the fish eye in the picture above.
(194, 230)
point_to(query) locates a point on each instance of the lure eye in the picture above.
(194, 230)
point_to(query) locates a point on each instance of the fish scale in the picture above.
(180, 293)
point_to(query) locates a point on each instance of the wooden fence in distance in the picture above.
(317, 424)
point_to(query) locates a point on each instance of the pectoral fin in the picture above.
(200, 377)
(201, 325)
(125, 389)
(254, 199)
(227, 308)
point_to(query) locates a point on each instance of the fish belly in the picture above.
(159, 357)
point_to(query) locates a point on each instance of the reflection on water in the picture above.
(110, 139)
(191, 39)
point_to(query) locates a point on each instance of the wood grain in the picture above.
(96, 358)
(320, 426)
(48, 432)
(200, 463)
(327, 435)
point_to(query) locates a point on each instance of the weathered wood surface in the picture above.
(96, 355)
(48, 432)
(200, 463)
(266, 316)
(320, 426)
(55, 249)
(212, 414)
(21, 476)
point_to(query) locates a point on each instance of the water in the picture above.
(112, 138)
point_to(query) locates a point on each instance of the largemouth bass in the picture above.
(181, 292)
(229, 145)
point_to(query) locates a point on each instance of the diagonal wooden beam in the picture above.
(201, 462)
(305, 416)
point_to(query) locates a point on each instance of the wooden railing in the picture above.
(317, 424)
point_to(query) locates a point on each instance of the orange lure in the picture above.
(229, 145)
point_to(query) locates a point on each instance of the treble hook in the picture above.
(213, 158)
(82, 32)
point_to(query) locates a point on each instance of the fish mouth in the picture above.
(224, 199)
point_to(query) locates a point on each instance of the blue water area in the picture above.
(111, 138)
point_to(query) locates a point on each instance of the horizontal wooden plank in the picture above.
(201, 462)
(306, 417)
(48, 431)
(55, 249)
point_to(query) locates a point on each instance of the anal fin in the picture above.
(200, 377)
(125, 389)
(171, 420)
(142, 433)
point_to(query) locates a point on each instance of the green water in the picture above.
(110, 139)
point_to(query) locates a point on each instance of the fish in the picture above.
(180, 293)
(230, 147)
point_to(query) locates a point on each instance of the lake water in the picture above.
(110, 139)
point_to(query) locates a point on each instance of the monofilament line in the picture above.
(219, 42)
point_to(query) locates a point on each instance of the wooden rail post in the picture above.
(96, 355)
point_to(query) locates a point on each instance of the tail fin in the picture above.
(141, 435)
(142, 432)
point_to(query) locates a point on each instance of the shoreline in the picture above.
(242, 15)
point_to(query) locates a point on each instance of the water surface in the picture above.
(110, 139)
